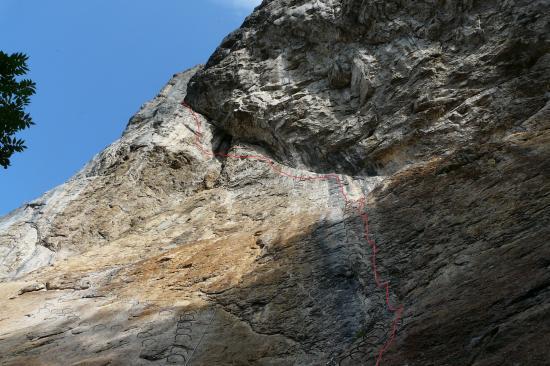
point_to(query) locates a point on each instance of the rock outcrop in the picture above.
(347, 183)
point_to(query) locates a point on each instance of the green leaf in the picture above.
(14, 97)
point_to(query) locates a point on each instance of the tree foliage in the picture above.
(14, 97)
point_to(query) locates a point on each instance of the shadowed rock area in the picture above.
(240, 230)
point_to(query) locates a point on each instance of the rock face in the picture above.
(348, 183)
(368, 87)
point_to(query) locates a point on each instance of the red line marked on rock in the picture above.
(358, 205)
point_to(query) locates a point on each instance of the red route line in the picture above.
(360, 208)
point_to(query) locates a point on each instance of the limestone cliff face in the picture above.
(348, 183)
(368, 87)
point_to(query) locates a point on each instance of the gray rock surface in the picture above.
(368, 87)
(244, 233)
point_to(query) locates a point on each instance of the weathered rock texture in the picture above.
(435, 112)
(369, 87)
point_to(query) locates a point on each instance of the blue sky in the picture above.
(95, 63)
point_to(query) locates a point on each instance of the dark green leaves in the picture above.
(14, 97)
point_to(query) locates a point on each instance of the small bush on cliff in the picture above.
(14, 97)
